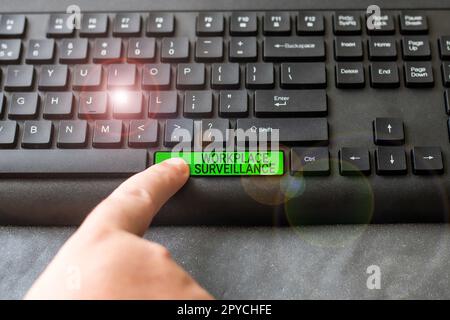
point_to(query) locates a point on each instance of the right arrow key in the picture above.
(388, 131)
(427, 160)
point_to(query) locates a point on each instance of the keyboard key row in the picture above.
(213, 23)
(417, 74)
(382, 75)
(222, 76)
(144, 133)
(390, 161)
(158, 76)
(196, 104)
(125, 24)
(304, 161)
(240, 49)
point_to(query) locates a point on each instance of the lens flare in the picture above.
(120, 96)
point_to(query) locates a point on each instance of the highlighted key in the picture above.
(245, 163)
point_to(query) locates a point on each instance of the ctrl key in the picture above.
(310, 161)
(427, 160)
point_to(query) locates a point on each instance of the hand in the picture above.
(107, 258)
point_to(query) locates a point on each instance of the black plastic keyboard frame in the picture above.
(229, 201)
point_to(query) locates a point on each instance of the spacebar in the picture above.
(93, 162)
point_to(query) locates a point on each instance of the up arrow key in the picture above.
(388, 131)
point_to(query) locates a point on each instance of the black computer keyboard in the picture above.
(362, 112)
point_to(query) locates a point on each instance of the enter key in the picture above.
(285, 103)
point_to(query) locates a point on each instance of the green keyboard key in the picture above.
(245, 163)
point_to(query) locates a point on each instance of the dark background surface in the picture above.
(280, 263)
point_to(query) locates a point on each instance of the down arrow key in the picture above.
(390, 160)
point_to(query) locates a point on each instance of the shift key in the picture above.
(283, 103)
(293, 131)
(294, 49)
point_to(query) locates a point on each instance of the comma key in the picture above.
(143, 133)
